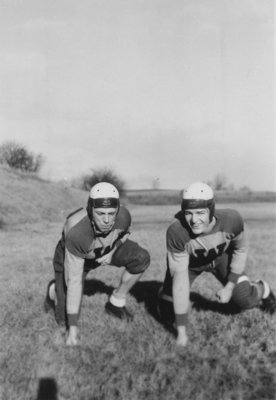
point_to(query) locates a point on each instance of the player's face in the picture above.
(104, 218)
(198, 220)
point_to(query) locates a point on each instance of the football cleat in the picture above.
(49, 304)
(118, 312)
(269, 303)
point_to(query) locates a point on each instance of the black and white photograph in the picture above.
(138, 200)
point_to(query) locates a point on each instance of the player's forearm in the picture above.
(238, 264)
(181, 297)
(73, 301)
(181, 305)
(239, 255)
(73, 278)
(178, 264)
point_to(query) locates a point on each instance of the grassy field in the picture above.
(229, 357)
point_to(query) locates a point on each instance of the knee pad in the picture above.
(242, 293)
(140, 263)
(145, 259)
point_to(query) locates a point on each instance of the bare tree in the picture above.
(219, 182)
(103, 175)
(17, 156)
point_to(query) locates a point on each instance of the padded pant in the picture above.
(132, 256)
(245, 294)
(129, 255)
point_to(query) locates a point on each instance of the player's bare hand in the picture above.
(182, 338)
(73, 336)
(224, 295)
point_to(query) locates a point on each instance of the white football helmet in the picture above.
(102, 195)
(198, 191)
(199, 195)
(103, 190)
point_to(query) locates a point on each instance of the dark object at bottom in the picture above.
(118, 312)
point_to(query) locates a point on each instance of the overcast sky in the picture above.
(168, 90)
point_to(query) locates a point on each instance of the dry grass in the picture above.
(229, 357)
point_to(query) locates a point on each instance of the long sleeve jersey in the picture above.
(81, 242)
(187, 250)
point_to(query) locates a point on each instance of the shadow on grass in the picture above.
(146, 292)
(47, 389)
(201, 303)
(93, 286)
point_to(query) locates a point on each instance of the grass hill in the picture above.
(25, 198)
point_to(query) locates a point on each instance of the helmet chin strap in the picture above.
(212, 223)
(97, 231)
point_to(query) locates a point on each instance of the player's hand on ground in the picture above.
(182, 338)
(73, 336)
(224, 295)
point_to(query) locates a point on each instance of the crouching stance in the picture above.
(202, 239)
(91, 238)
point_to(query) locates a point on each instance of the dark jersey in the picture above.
(81, 241)
(227, 235)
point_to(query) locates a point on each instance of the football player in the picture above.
(93, 237)
(205, 239)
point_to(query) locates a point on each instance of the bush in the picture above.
(103, 175)
(18, 157)
(219, 182)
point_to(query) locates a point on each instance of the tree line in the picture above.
(18, 156)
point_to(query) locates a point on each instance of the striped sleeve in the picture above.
(73, 277)
(239, 257)
(178, 262)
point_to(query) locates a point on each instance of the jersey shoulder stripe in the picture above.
(229, 222)
(79, 233)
